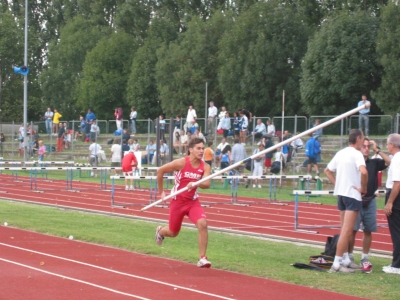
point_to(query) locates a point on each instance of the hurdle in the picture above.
(297, 227)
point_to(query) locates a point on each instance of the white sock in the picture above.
(364, 256)
(337, 262)
(346, 260)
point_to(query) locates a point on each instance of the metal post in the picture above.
(157, 143)
(26, 79)
(205, 111)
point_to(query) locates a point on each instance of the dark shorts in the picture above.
(237, 132)
(312, 160)
(367, 217)
(347, 203)
(115, 164)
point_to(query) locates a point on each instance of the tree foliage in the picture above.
(340, 64)
(260, 57)
(388, 94)
(105, 74)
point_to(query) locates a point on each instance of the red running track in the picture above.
(259, 218)
(36, 266)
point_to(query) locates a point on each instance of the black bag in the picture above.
(248, 164)
(330, 246)
(308, 267)
(276, 167)
(110, 141)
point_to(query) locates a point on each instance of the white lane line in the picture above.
(74, 279)
(117, 272)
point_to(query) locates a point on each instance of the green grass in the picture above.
(228, 252)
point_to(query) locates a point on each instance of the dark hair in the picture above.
(236, 141)
(209, 143)
(193, 142)
(226, 149)
(354, 134)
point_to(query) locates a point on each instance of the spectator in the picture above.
(130, 144)
(116, 155)
(221, 146)
(236, 125)
(56, 121)
(48, 116)
(90, 117)
(21, 147)
(317, 133)
(164, 151)
(41, 150)
(244, 123)
(177, 125)
(135, 145)
(260, 129)
(118, 114)
(124, 148)
(239, 154)
(212, 116)
(226, 124)
(129, 163)
(67, 136)
(225, 156)
(258, 164)
(82, 128)
(363, 119)
(21, 131)
(193, 127)
(94, 149)
(177, 142)
(281, 158)
(132, 118)
(221, 116)
(150, 148)
(162, 123)
(198, 134)
(34, 146)
(60, 139)
(94, 131)
(2, 140)
(184, 142)
(208, 154)
(268, 156)
(126, 136)
(313, 149)
(270, 128)
(190, 118)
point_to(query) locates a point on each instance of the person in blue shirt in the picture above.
(150, 148)
(90, 117)
(317, 133)
(313, 150)
(363, 118)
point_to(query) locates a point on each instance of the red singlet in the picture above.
(185, 176)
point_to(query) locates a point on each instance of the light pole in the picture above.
(26, 81)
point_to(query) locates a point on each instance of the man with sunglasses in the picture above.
(367, 214)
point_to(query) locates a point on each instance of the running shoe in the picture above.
(366, 266)
(341, 269)
(204, 263)
(354, 266)
(131, 188)
(391, 270)
(159, 238)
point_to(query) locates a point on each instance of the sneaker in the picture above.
(254, 185)
(354, 266)
(159, 238)
(204, 263)
(131, 188)
(366, 266)
(259, 186)
(391, 270)
(341, 269)
(91, 174)
(127, 188)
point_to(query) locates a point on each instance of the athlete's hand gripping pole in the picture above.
(287, 141)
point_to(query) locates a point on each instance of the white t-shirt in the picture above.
(191, 115)
(271, 129)
(222, 146)
(212, 111)
(116, 153)
(394, 171)
(347, 164)
(94, 148)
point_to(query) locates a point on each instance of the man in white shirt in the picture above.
(190, 118)
(218, 151)
(212, 115)
(270, 128)
(350, 183)
(221, 117)
(392, 207)
(260, 129)
(48, 115)
(94, 149)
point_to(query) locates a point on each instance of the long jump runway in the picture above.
(36, 266)
(259, 218)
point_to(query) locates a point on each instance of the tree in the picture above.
(388, 94)
(105, 73)
(260, 57)
(186, 65)
(340, 64)
(142, 89)
(60, 79)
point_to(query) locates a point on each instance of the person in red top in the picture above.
(129, 161)
(188, 169)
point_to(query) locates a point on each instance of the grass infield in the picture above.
(241, 254)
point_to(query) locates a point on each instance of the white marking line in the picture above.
(117, 272)
(74, 279)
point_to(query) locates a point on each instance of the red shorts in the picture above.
(267, 162)
(180, 208)
(127, 169)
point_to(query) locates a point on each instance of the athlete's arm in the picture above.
(207, 171)
(175, 165)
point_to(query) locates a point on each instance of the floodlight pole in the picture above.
(26, 82)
